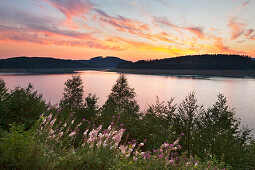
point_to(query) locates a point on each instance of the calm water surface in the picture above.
(240, 92)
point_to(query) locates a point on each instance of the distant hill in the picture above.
(39, 63)
(53, 63)
(200, 62)
(109, 62)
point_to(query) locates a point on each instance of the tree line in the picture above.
(199, 62)
(212, 133)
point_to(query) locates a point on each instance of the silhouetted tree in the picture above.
(121, 103)
(185, 120)
(3, 95)
(22, 106)
(122, 98)
(220, 135)
(73, 94)
(90, 107)
(157, 124)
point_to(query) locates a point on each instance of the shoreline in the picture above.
(189, 73)
(177, 73)
(44, 71)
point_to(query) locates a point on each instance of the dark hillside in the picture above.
(38, 63)
(200, 62)
(108, 61)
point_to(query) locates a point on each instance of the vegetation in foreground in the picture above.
(79, 134)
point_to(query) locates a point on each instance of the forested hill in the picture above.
(200, 62)
(99, 61)
(52, 63)
(38, 63)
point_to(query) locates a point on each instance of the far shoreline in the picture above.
(165, 72)
(189, 73)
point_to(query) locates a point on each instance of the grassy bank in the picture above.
(220, 73)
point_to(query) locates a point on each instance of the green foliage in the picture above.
(3, 95)
(3, 90)
(220, 136)
(122, 98)
(157, 124)
(73, 94)
(73, 103)
(19, 149)
(91, 106)
(21, 105)
(121, 104)
(250, 155)
(185, 121)
(212, 136)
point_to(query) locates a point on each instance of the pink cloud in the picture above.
(237, 28)
(164, 21)
(124, 24)
(245, 3)
(71, 8)
(196, 30)
(250, 34)
(25, 35)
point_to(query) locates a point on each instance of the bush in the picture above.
(19, 149)
(22, 106)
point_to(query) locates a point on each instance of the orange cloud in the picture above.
(48, 38)
(219, 47)
(237, 28)
(137, 45)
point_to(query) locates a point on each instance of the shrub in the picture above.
(19, 149)
(22, 106)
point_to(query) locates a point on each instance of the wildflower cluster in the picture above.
(111, 138)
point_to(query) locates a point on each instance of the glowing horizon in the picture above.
(132, 30)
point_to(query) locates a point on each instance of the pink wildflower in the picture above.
(160, 155)
(171, 161)
(71, 134)
(141, 144)
(72, 122)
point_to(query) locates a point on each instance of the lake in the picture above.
(240, 92)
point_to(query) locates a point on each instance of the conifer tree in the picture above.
(121, 98)
(121, 104)
(73, 94)
(185, 120)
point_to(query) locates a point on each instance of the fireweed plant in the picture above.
(62, 134)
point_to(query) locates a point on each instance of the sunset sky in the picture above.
(129, 29)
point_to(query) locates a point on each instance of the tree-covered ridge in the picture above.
(201, 62)
(38, 63)
(52, 63)
(99, 62)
